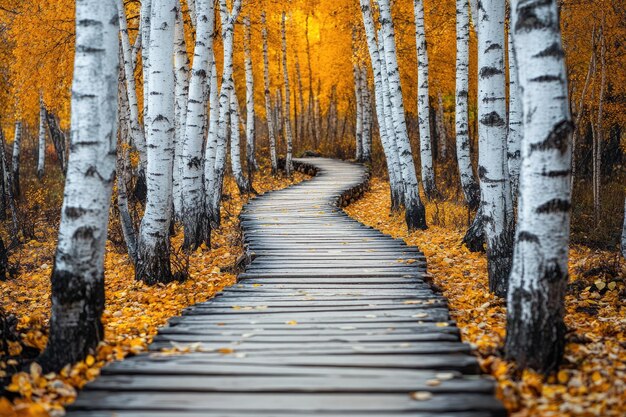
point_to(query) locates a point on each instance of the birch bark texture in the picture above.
(415, 212)
(287, 111)
(497, 206)
(235, 145)
(78, 274)
(515, 127)
(358, 98)
(153, 264)
(387, 136)
(251, 162)
(41, 143)
(423, 107)
(195, 220)
(268, 97)
(136, 130)
(216, 178)
(15, 159)
(122, 170)
(471, 190)
(535, 327)
(366, 105)
(181, 93)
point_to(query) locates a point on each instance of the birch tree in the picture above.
(535, 326)
(497, 207)
(252, 164)
(387, 135)
(136, 129)
(423, 108)
(78, 274)
(153, 263)
(358, 95)
(471, 190)
(366, 104)
(122, 169)
(41, 143)
(15, 160)
(216, 175)
(181, 93)
(514, 134)
(268, 97)
(415, 212)
(195, 220)
(146, 23)
(287, 111)
(235, 146)
(58, 138)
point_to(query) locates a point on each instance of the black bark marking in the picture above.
(557, 139)
(525, 236)
(547, 79)
(528, 18)
(487, 72)
(74, 212)
(553, 174)
(556, 205)
(493, 119)
(554, 51)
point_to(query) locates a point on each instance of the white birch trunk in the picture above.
(367, 116)
(195, 220)
(181, 93)
(287, 111)
(497, 207)
(268, 98)
(535, 326)
(423, 107)
(228, 19)
(515, 129)
(252, 164)
(137, 133)
(358, 96)
(471, 190)
(210, 151)
(146, 22)
(235, 146)
(41, 143)
(153, 264)
(15, 160)
(193, 14)
(122, 169)
(415, 212)
(78, 274)
(387, 137)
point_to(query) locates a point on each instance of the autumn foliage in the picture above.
(592, 379)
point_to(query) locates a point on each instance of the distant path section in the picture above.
(331, 318)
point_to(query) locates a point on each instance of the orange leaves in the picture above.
(592, 380)
(133, 310)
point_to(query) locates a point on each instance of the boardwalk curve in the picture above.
(331, 318)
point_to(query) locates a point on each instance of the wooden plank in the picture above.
(202, 363)
(294, 402)
(277, 382)
(211, 413)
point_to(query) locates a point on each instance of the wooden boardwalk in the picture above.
(331, 318)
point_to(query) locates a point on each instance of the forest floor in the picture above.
(134, 311)
(592, 379)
